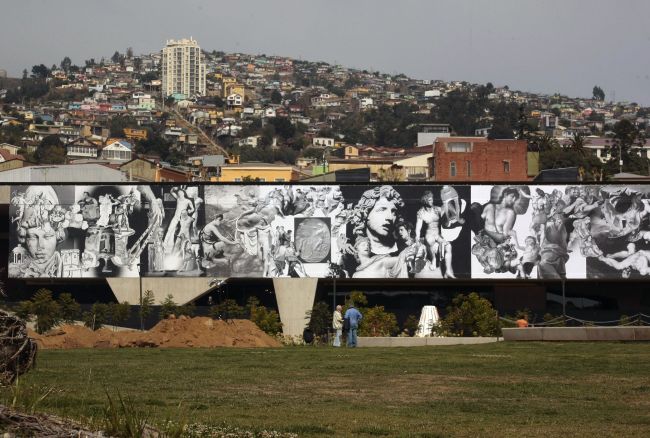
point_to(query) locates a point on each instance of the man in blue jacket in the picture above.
(354, 316)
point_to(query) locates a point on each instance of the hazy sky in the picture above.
(544, 46)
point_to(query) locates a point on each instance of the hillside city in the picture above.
(237, 117)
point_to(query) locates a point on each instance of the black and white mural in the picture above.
(343, 231)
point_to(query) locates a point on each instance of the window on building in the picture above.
(261, 179)
(459, 147)
(468, 166)
(452, 168)
(237, 179)
(506, 166)
(279, 180)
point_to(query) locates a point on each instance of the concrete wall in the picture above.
(421, 342)
(629, 333)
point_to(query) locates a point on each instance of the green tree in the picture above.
(120, 312)
(377, 321)
(66, 63)
(119, 122)
(598, 93)
(470, 315)
(116, 57)
(276, 97)
(625, 144)
(320, 319)
(167, 307)
(40, 71)
(98, 315)
(188, 309)
(578, 143)
(45, 309)
(267, 320)
(228, 309)
(50, 151)
(70, 308)
(146, 303)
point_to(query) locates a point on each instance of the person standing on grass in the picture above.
(337, 325)
(354, 316)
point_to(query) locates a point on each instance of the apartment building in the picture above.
(183, 69)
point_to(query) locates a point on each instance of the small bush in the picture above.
(228, 309)
(412, 324)
(377, 322)
(70, 308)
(98, 316)
(46, 310)
(469, 315)
(267, 320)
(320, 320)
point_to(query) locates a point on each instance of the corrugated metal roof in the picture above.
(62, 173)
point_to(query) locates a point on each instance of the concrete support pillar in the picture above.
(295, 297)
(183, 289)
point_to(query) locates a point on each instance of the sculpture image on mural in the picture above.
(558, 232)
(545, 232)
(67, 231)
(402, 232)
(621, 232)
(268, 231)
(174, 248)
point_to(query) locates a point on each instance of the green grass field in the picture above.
(504, 389)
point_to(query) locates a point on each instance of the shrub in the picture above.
(70, 308)
(167, 307)
(267, 320)
(411, 324)
(377, 322)
(186, 309)
(469, 315)
(228, 309)
(46, 310)
(320, 320)
(98, 316)
(119, 312)
(145, 306)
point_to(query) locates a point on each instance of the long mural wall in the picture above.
(342, 231)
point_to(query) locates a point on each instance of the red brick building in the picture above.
(480, 159)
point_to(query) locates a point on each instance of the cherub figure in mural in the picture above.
(632, 260)
(438, 248)
(183, 204)
(529, 258)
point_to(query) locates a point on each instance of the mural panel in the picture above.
(371, 231)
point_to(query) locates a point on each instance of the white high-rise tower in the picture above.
(183, 69)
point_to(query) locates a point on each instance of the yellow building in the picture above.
(260, 172)
(135, 133)
(233, 88)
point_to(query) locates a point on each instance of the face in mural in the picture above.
(41, 242)
(381, 219)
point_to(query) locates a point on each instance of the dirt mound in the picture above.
(202, 332)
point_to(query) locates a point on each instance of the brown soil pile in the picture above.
(202, 332)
